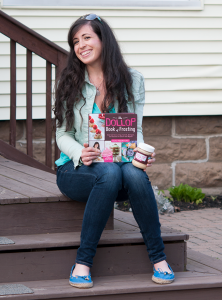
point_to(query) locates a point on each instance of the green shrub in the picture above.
(184, 192)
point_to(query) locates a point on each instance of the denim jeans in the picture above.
(100, 185)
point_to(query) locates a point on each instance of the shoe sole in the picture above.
(161, 281)
(82, 285)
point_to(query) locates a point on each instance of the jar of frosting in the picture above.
(143, 153)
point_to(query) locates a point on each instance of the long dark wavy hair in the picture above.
(117, 77)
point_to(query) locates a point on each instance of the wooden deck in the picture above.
(23, 184)
(43, 252)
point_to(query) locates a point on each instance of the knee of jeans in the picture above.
(113, 174)
(133, 176)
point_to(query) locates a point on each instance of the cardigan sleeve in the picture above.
(68, 145)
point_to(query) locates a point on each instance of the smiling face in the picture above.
(87, 45)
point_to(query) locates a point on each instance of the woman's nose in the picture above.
(82, 43)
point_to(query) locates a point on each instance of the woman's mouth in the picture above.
(86, 53)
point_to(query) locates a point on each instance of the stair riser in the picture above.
(203, 294)
(56, 264)
(47, 217)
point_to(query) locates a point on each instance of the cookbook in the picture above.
(114, 134)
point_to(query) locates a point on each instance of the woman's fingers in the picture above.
(87, 163)
(89, 154)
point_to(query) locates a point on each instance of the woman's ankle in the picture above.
(81, 270)
(163, 265)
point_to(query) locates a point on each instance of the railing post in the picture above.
(29, 103)
(48, 148)
(12, 135)
(57, 151)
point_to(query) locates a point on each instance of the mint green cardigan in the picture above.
(71, 142)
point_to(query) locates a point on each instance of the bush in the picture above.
(186, 193)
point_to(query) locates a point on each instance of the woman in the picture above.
(97, 80)
(96, 145)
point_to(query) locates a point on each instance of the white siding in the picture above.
(179, 53)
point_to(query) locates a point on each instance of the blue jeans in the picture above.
(100, 185)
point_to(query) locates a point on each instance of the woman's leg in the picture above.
(144, 208)
(98, 185)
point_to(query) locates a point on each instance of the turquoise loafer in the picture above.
(163, 277)
(81, 282)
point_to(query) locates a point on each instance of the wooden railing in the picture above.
(53, 54)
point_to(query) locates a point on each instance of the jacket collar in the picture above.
(87, 76)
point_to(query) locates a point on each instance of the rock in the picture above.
(205, 175)
(198, 125)
(160, 175)
(169, 149)
(176, 208)
(153, 126)
(215, 149)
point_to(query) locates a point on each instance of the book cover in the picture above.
(115, 135)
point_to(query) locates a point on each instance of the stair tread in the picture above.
(72, 239)
(121, 284)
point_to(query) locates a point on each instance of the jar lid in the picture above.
(146, 147)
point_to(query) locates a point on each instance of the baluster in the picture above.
(29, 103)
(57, 151)
(48, 155)
(12, 135)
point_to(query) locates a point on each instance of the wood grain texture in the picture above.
(205, 260)
(46, 217)
(12, 135)
(27, 190)
(29, 39)
(27, 179)
(12, 153)
(48, 145)
(36, 218)
(30, 180)
(192, 286)
(7, 196)
(117, 236)
(29, 102)
(111, 260)
(46, 176)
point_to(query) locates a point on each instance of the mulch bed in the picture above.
(208, 202)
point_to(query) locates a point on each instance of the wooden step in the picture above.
(50, 256)
(31, 202)
(187, 285)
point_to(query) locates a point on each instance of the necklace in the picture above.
(97, 88)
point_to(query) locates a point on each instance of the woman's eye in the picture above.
(74, 43)
(87, 37)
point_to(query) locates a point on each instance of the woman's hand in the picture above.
(150, 161)
(88, 154)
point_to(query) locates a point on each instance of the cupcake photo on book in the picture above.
(127, 151)
(115, 149)
(96, 130)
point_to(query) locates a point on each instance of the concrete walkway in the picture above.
(204, 227)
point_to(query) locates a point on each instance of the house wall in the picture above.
(179, 52)
(188, 149)
(180, 55)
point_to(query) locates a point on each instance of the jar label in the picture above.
(140, 157)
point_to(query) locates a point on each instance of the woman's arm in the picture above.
(68, 145)
(139, 95)
(138, 89)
